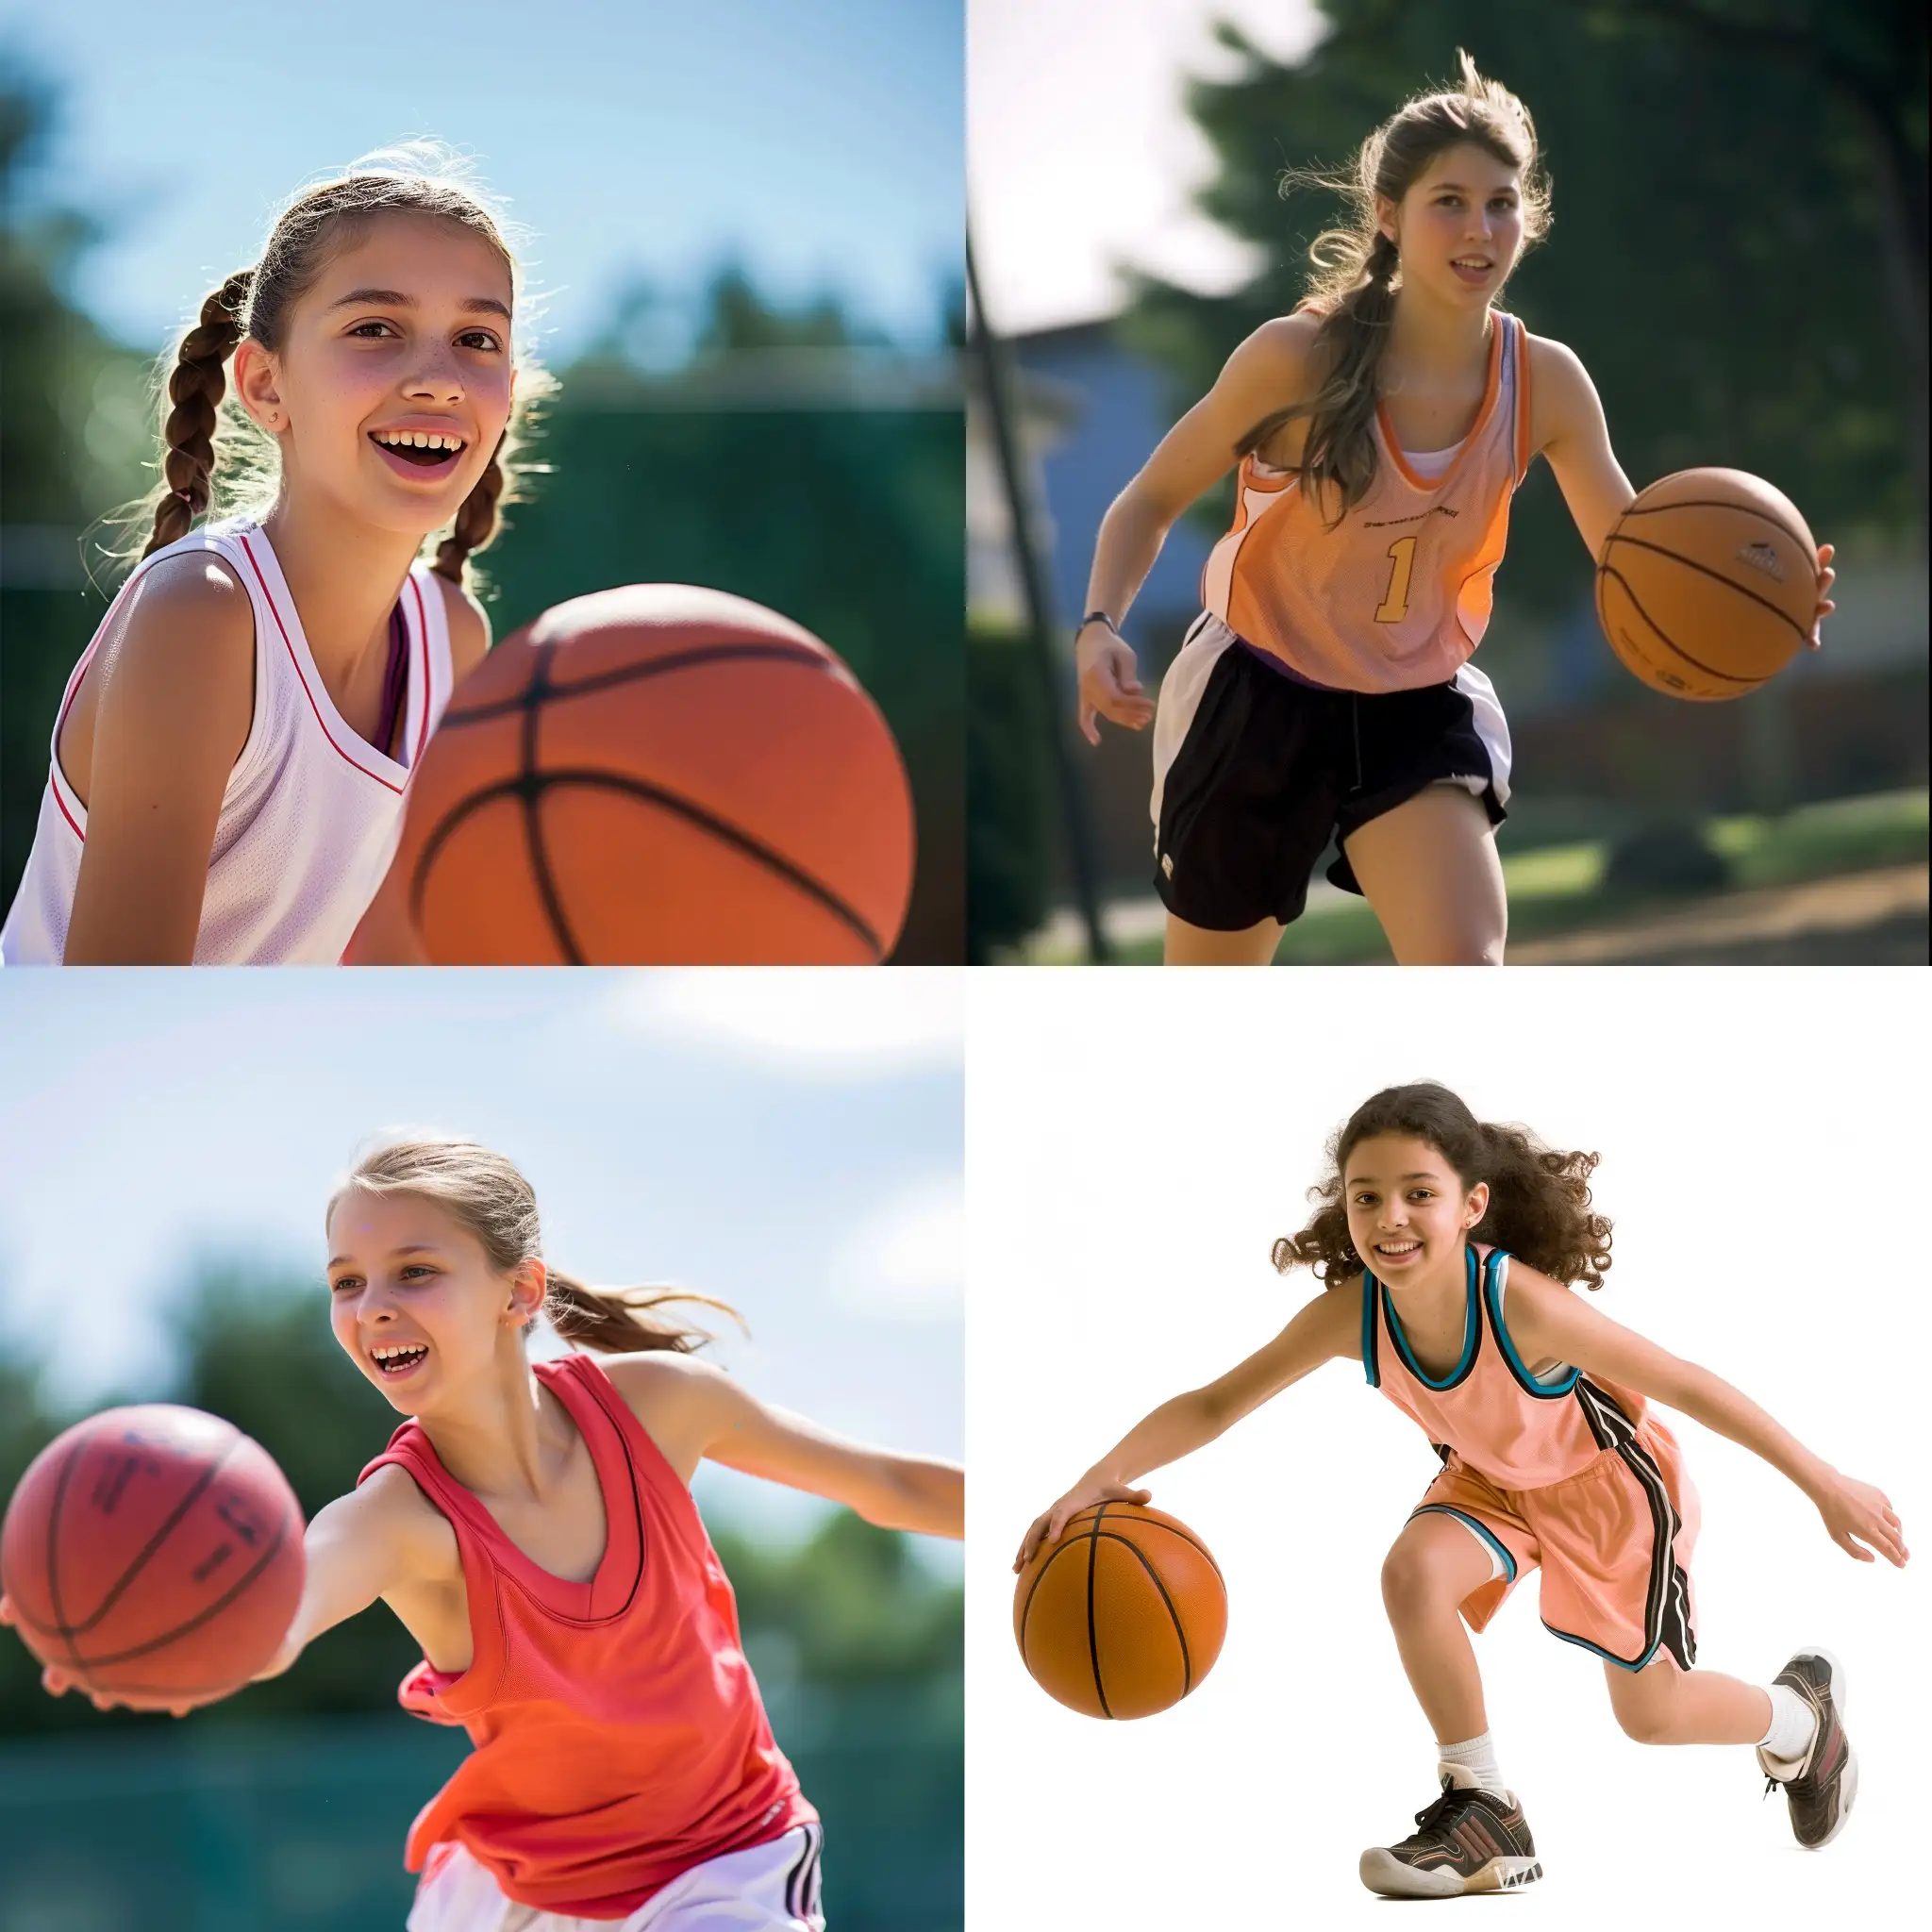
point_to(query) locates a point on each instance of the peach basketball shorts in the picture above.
(1613, 1542)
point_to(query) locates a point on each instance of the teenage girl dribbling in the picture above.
(1446, 1248)
(532, 1525)
(229, 759)
(1380, 430)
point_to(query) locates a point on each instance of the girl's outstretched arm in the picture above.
(1546, 1319)
(1264, 376)
(1576, 444)
(694, 1410)
(1327, 1327)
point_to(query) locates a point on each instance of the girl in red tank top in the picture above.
(532, 1525)
(1448, 1248)
(1379, 435)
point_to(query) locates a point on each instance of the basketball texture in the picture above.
(658, 774)
(1709, 584)
(1123, 1616)
(154, 1552)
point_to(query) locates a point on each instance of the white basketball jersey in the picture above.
(311, 813)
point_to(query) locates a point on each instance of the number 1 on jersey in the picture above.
(1402, 562)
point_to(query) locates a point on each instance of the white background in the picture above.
(1135, 1142)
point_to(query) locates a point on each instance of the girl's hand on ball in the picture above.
(1050, 1525)
(1825, 606)
(57, 1683)
(1104, 664)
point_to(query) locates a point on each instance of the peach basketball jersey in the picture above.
(1522, 1431)
(1397, 594)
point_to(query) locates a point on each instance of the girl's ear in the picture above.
(1385, 211)
(257, 385)
(1477, 1204)
(527, 1287)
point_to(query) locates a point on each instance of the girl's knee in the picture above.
(1411, 1580)
(1644, 1724)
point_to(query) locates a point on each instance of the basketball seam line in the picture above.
(155, 1541)
(1187, 1662)
(1636, 604)
(201, 1617)
(631, 673)
(1658, 509)
(531, 702)
(1173, 1529)
(1716, 576)
(671, 801)
(1092, 1635)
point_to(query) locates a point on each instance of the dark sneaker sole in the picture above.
(1383, 1872)
(1848, 1778)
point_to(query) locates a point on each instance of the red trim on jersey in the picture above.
(66, 814)
(289, 647)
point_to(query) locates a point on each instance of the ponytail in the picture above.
(195, 389)
(622, 1320)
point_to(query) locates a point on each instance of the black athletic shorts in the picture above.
(1255, 770)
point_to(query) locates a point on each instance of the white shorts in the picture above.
(768, 1888)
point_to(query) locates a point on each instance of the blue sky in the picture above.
(822, 144)
(789, 1139)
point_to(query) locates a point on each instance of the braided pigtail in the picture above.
(195, 389)
(475, 523)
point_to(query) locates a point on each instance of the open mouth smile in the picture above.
(418, 452)
(397, 1361)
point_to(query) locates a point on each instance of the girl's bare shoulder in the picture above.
(391, 1507)
(1342, 1316)
(190, 622)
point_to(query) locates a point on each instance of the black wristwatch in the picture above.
(1098, 617)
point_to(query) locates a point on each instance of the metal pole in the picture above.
(996, 384)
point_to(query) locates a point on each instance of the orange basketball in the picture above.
(1122, 1616)
(1709, 584)
(154, 1552)
(654, 774)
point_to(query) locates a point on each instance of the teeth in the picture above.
(390, 1352)
(418, 439)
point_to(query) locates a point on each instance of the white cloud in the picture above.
(829, 1022)
(908, 1261)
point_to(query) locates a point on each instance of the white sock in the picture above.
(1474, 1760)
(1792, 1723)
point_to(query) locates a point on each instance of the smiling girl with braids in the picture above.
(229, 757)
(1380, 430)
(1448, 1248)
(531, 1525)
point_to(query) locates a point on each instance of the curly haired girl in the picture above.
(229, 757)
(1447, 1248)
(531, 1525)
(1380, 431)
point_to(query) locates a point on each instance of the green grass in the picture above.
(1560, 888)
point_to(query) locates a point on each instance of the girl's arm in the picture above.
(1576, 443)
(692, 1409)
(1265, 374)
(1326, 1327)
(1546, 1319)
(175, 704)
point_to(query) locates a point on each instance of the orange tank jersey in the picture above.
(1553, 1470)
(619, 1738)
(1398, 595)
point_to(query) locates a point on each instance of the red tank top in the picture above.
(1521, 1430)
(620, 1739)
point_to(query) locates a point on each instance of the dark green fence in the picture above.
(299, 1826)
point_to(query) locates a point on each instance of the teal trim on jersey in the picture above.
(1585, 1643)
(1493, 1280)
(1370, 1361)
(1501, 1548)
(1471, 1332)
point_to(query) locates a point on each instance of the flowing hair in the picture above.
(486, 1194)
(1356, 279)
(215, 459)
(1540, 1204)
